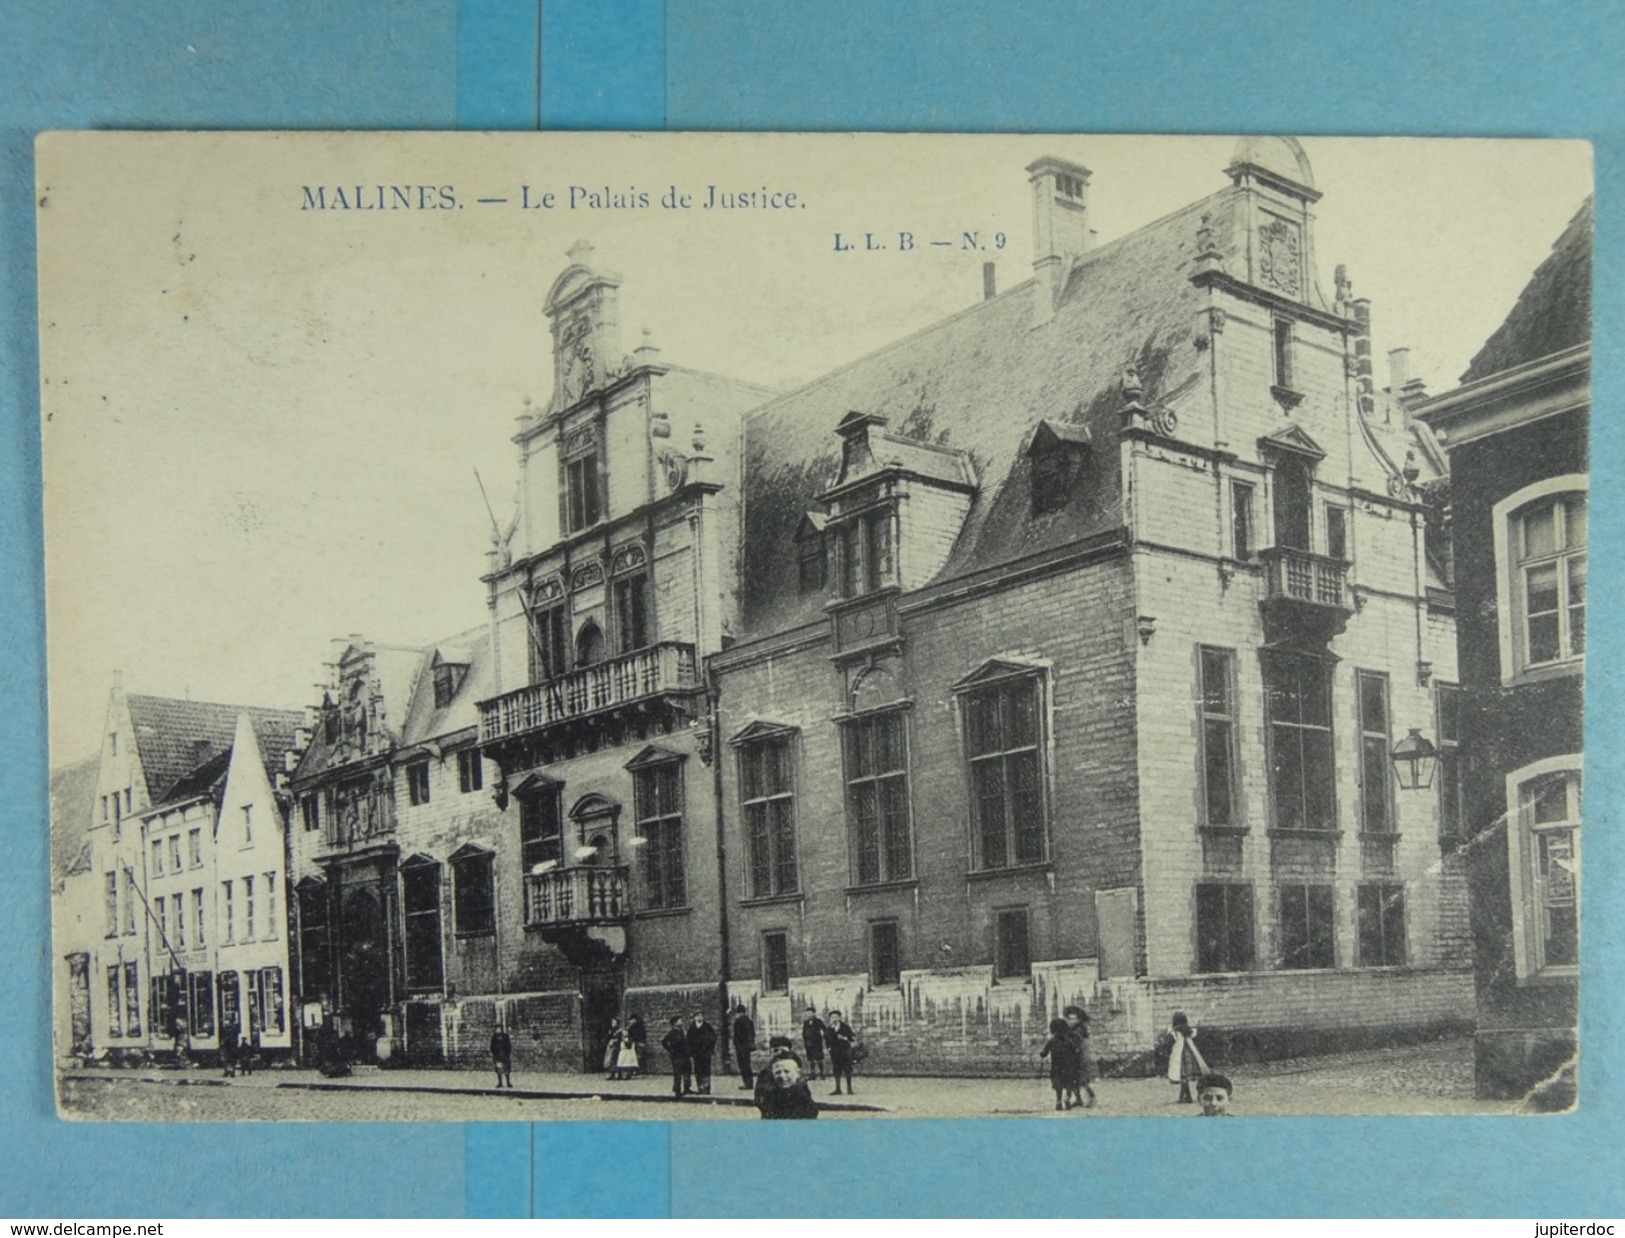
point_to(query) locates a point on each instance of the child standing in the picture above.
(1062, 1051)
(1077, 1022)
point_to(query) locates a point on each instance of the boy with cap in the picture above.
(1215, 1096)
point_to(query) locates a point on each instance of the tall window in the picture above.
(1003, 739)
(420, 904)
(197, 916)
(1282, 338)
(549, 643)
(470, 771)
(1218, 670)
(248, 824)
(885, 954)
(1545, 852)
(1302, 770)
(1243, 541)
(228, 913)
(1381, 912)
(111, 907)
(775, 963)
(448, 677)
(115, 1002)
(1224, 927)
(157, 857)
(1307, 926)
(1012, 950)
(1337, 531)
(767, 776)
(1376, 773)
(194, 845)
(658, 798)
(129, 903)
(866, 553)
(1452, 807)
(417, 782)
(1552, 577)
(581, 492)
(877, 797)
(473, 892)
(631, 612)
(270, 904)
(541, 827)
(160, 906)
(174, 853)
(132, 1000)
(248, 909)
(177, 903)
(314, 965)
(1293, 490)
(200, 1002)
(311, 809)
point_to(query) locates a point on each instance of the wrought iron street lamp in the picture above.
(1414, 758)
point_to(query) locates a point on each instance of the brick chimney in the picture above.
(1061, 231)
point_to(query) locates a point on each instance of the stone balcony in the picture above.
(1306, 598)
(582, 897)
(659, 679)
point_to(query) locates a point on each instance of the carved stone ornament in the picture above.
(1279, 257)
(579, 442)
(1165, 422)
(587, 575)
(627, 558)
(575, 358)
(549, 590)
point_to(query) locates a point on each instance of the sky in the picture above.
(262, 422)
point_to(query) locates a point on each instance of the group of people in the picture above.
(626, 1049)
(1071, 1067)
(236, 1052)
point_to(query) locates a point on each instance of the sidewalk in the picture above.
(1422, 1079)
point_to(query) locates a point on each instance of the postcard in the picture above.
(739, 626)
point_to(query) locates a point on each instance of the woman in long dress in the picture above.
(626, 1057)
(612, 1049)
(1185, 1064)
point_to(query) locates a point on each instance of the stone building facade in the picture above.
(1071, 662)
(1516, 430)
(1054, 654)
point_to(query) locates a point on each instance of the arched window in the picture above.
(589, 644)
(1540, 535)
(1543, 845)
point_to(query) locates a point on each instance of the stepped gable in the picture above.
(979, 382)
(1553, 313)
(175, 739)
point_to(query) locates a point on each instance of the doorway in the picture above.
(364, 970)
(600, 1006)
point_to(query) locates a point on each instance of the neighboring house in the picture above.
(1516, 432)
(75, 919)
(394, 844)
(187, 864)
(1077, 631)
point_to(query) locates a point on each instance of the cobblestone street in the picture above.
(1427, 1079)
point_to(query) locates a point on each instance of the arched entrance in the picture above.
(364, 969)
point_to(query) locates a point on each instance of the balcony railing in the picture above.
(1307, 599)
(620, 681)
(1306, 577)
(576, 896)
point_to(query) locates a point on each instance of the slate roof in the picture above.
(170, 735)
(423, 720)
(1553, 313)
(980, 381)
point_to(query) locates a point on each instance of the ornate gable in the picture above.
(1293, 439)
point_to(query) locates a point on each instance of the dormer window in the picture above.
(867, 560)
(448, 677)
(812, 571)
(1057, 455)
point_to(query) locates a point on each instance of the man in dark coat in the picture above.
(228, 1050)
(744, 1029)
(839, 1037)
(702, 1045)
(675, 1043)
(502, 1056)
(812, 1039)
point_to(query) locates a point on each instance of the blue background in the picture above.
(1482, 69)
